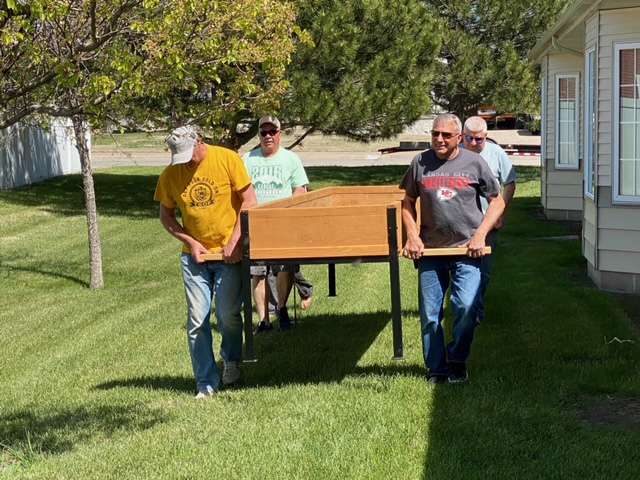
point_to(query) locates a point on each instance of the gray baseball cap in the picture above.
(181, 142)
(269, 119)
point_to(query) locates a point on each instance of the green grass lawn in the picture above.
(98, 384)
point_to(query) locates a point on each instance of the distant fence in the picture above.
(30, 154)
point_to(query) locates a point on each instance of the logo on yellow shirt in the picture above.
(200, 193)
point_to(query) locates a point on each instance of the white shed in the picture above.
(590, 63)
(30, 154)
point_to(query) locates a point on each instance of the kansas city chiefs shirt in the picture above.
(449, 192)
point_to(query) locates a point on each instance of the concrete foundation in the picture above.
(563, 215)
(615, 281)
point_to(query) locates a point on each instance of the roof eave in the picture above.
(573, 15)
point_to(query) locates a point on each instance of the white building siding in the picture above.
(615, 26)
(31, 154)
(621, 218)
(561, 189)
(619, 261)
(591, 31)
(560, 64)
(618, 228)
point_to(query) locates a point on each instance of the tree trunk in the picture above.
(95, 248)
(301, 138)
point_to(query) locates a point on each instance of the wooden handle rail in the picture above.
(213, 256)
(437, 252)
(427, 252)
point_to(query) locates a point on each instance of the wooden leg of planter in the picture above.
(249, 354)
(394, 278)
(332, 279)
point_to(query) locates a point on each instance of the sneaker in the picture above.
(207, 392)
(436, 379)
(283, 319)
(264, 327)
(458, 373)
(231, 373)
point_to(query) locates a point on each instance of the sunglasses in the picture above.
(470, 138)
(272, 132)
(445, 135)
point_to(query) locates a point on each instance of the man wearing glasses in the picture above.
(474, 138)
(276, 173)
(449, 181)
(209, 185)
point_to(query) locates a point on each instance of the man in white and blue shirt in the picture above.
(474, 138)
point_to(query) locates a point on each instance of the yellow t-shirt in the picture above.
(207, 195)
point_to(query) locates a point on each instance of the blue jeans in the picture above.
(202, 283)
(435, 275)
(485, 272)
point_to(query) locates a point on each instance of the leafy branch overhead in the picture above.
(150, 61)
(139, 62)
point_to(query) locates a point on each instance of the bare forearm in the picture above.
(414, 245)
(171, 225)
(409, 219)
(249, 200)
(508, 192)
(494, 212)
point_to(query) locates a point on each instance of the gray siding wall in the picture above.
(615, 26)
(618, 227)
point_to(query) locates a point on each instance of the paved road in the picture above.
(137, 157)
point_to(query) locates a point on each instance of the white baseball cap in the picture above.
(181, 142)
(269, 119)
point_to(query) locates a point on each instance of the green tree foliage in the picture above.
(485, 53)
(159, 62)
(368, 69)
(213, 62)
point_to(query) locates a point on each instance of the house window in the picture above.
(627, 124)
(567, 121)
(589, 122)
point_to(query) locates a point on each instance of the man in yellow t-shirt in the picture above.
(209, 185)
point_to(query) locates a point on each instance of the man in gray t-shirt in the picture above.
(449, 182)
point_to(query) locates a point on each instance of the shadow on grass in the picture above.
(27, 433)
(132, 195)
(320, 349)
(534, 359)
(116, 195)
(173, 383)
(40, 271)
(378, 175)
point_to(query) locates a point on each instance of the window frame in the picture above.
(590, 130)
(558, 165)
(617, 197)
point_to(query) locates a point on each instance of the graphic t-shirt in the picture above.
(275, 177)
(499, 164)
(449, 192)
(207, 195)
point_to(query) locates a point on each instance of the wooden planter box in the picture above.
(332, 222)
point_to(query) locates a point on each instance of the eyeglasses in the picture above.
(272, 132)
(470, 138)
(445, 135)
